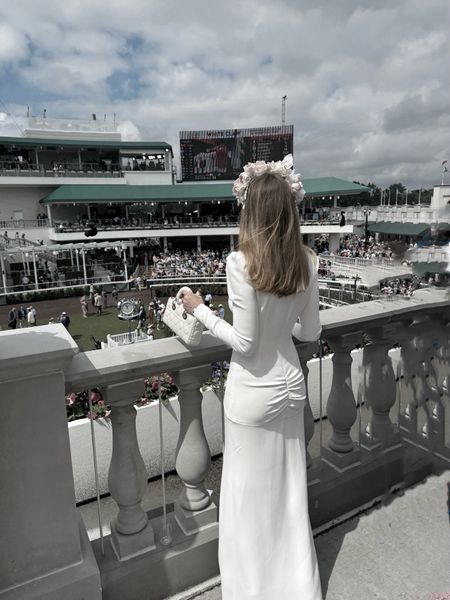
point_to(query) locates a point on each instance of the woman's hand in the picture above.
(190, 301)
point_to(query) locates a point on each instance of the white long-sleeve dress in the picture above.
(266, 547)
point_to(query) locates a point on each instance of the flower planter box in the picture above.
(147, 424)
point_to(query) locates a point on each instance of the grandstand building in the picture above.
(61, 176)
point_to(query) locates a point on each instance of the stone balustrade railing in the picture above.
(354, 455)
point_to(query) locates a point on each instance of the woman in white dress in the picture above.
(266, 547)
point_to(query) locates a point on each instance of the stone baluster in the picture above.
(341, 452)
(436, 368)
(131, 532)
(414, 417)
(195, 508)
(379, 387)
(305, 352)
(406, 372)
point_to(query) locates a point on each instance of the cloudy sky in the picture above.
(367, 83)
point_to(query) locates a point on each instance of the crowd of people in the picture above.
(355, 246)
(22, 317)
(185, 263)
(392, 288)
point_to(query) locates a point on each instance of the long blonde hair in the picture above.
(277, 260)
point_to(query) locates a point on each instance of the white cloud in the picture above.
(368, 85)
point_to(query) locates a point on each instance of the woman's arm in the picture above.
(309, 328)
(242, 336)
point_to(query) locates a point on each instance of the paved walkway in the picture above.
(400, 550)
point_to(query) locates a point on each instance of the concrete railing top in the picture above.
(116, 365)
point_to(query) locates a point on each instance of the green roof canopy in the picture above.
(399, 228)
(24, 142)
(321, 186)
(332, 186)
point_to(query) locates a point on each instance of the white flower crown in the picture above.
(282, 167)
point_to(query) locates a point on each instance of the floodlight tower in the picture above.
(283, 110)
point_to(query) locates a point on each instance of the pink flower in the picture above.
(92, 415)
(71, 399)
(95, 396)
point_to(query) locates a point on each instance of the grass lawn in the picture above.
(82, 329)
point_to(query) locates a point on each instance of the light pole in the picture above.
(366, 213)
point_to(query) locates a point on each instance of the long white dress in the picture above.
(266, 547)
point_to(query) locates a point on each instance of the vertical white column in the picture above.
(333, 242)
(83, 258)
(2, 265)
(36, 282)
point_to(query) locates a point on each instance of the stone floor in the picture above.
(398, 550)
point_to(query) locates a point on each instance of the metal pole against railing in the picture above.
(36, 282)
(166, 537)
(320, 396)
(2, 265)
(97, 487)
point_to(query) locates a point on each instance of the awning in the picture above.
(184, 192)
(398, 228)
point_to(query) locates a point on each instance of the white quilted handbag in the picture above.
(180, 322)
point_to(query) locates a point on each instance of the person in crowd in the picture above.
(105, 298)
(221, 311)
(6, 238)
(142, 317)
(98, 303)
(17, 238)
(208, 298)
(114, 294)
(23, 239)
(158, 317)
(84, 306)
(22, 316)
(65, 320)
(150, 333)
(31, 316)
(12, 318)
(273, 292)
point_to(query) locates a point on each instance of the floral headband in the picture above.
(282, 167)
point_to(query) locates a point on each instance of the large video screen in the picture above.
(221, 154)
